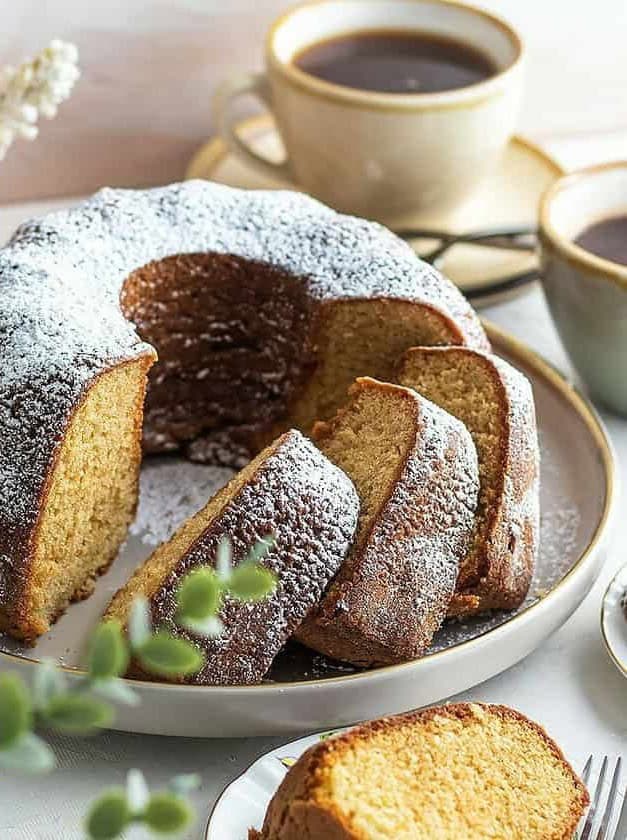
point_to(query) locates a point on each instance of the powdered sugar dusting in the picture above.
(170, 492)
(311, 508)
(393, 592)
(560, 536)
(60, 318)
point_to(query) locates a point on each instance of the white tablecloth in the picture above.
(569, 685)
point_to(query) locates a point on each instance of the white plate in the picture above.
(614, 620)
(508, 197)
(308, 694)
(242, 805)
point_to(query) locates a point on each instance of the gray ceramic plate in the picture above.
(305, 692)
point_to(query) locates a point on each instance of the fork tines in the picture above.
(600, 818)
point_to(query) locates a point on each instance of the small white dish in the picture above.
(243, 803)
(614, 621)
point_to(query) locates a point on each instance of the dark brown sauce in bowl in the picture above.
(396, 61)
(606, 239)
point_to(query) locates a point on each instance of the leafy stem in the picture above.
(84, 706)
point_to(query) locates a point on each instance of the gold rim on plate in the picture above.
(582, 407)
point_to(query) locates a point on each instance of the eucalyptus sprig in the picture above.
(84, 706)
(164, 812)
(199, 599)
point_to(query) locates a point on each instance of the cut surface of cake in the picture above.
(458, 772)
(291, 491)
(262, 307)
(87, 505)
(495, 401)
(415, 469)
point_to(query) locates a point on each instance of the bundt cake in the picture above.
(289, 490)
(495, 402)
(457, 772)
(262, 306)
(415, 470)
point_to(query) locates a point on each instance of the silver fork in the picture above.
(594, 820)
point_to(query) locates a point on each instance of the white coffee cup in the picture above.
(382, 155)
(586, 293)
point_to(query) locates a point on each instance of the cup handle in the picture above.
(257, 85)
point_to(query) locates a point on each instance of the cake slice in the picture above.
(458, 772)
(84, 508)
(415, 470)
(495, 402)
(291, 491)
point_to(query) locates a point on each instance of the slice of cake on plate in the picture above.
(415, 470)
(495, 402)
(459, 772)
(309, 506)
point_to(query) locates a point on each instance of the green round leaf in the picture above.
(170, 656)
(29, 754)
(139, 622)
(108, 816)
(77, 714)
(48, 681)
(137, 793)
(260, 549)
(16, 712)
(185, 783)
(224, 557)
(167, 813)
(199, 595)
(250, 582)
(108, 651)
(116, 690)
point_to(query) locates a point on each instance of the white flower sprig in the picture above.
(35, 89)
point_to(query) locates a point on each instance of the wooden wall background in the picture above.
(149, 67)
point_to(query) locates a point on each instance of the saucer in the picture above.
(614, 621)
(509, 197)
(243, 803)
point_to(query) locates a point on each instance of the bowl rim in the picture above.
(594, 425)
(568, 249)
(620, 665)
(403, 102)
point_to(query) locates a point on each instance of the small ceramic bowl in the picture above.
(614, 621)
(587, 295)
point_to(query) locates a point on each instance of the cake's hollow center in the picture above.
(230, 334)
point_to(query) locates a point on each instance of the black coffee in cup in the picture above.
(396, 61)
(607, 239)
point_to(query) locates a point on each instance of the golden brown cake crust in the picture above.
(297, 810)
(393, 591)
(503, 569)
(261, 265)
(290, 491)
(16, 618)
